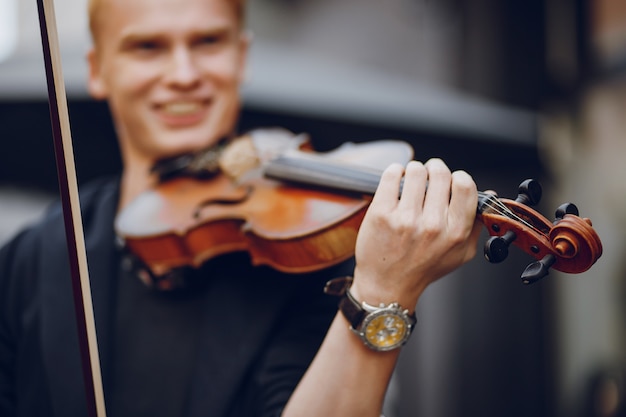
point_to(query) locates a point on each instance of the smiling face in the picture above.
(170, 70)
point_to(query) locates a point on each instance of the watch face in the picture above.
(385, 330)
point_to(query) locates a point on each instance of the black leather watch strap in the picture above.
(338, 286)
(348, 305)
(352, 310)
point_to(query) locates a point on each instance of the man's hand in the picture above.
(406, 243)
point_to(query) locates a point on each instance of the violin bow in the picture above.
(68, 187)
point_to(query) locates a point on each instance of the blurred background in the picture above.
(506, 90)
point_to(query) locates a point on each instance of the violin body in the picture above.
(289, 228)
(295, 229)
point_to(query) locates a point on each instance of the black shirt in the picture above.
(234, 345)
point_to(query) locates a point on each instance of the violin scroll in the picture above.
(569, 244)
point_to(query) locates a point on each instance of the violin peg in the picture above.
(497, 247)
(537, 270)
(566, 208)
(529, 192)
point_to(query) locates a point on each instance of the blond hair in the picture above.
(94, 7)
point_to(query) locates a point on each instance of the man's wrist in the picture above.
(371, 292)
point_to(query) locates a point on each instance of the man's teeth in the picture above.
(182, 108)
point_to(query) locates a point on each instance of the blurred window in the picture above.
(8, 28)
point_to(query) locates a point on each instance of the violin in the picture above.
(298, 211)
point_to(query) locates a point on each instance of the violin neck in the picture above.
(312, 169)
(315, 170)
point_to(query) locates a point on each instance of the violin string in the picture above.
(301, 166)
(498, 207)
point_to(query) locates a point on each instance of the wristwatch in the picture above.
(381, 328)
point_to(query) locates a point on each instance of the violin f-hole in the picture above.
(222, 201)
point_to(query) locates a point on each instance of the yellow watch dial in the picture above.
(386, 331)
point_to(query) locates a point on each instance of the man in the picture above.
(243, 341)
